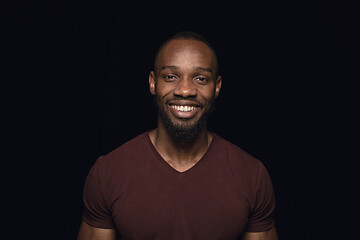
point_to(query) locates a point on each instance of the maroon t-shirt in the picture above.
(134, 190)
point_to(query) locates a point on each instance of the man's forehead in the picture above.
(190, 49)
(177, 45)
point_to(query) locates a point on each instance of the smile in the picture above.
(183, 108)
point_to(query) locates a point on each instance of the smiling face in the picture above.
(185, 84)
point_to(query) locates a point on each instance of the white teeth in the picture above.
(183, 108)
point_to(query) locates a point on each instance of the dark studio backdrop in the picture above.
(80, 90)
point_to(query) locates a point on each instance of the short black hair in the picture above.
(188, 35)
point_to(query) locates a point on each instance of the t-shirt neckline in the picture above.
(173, 170)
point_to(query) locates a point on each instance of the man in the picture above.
(179, 181)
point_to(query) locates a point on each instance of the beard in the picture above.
(186, 130)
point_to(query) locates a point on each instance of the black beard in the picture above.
(182, 132)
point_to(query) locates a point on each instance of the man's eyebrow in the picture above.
(203, 69)
(195, 68)
(169, 66)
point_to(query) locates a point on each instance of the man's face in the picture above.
(185, 85)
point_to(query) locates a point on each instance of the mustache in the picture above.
(191, 99)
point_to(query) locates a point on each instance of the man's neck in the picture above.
(180, 155)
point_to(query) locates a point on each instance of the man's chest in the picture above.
(180, 209)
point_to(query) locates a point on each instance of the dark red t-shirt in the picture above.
(134, 190)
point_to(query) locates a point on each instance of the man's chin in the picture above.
(183, 130)
(184, 135)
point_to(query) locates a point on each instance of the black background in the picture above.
(78, 88)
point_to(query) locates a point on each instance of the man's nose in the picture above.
(185, 88)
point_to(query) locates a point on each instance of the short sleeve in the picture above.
(97, 213)
(261, 216)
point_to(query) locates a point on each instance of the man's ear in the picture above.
(152, 84)
(218, 86)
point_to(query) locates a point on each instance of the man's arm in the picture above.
(88, 232)
(268, 235)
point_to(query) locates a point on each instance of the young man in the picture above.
(179, 181)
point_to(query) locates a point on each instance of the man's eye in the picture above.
(201, 79)
(169, 77)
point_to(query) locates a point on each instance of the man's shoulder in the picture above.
(237, 155)
(233, 149)
(121, 164)
(129, 151)
(245, 167)
(134, 145)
